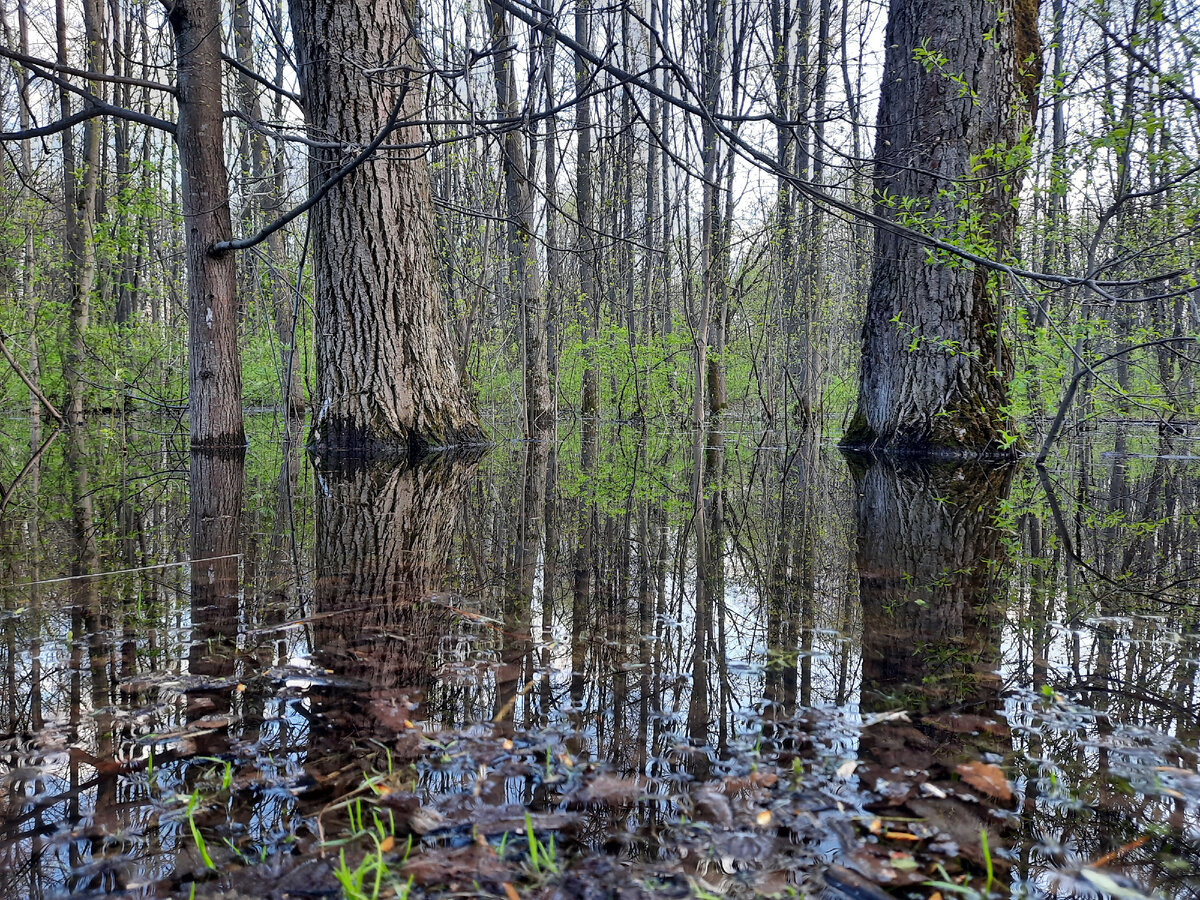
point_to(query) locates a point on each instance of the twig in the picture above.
(50, 408)
(167, 565)
(6, 493)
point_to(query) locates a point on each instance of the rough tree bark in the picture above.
(383, 533)
(386, 380)
(214, 363)
(934, 373)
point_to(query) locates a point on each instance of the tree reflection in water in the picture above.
(624, 632)
(383, 533)
(932, 586)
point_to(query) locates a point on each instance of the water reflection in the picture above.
(383, 533)
(931, 564)
(653, 642)
(214, 513)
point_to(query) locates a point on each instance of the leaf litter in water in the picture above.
(987, 778)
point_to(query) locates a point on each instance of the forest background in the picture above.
(582, 212)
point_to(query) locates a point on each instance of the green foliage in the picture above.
(373, 873)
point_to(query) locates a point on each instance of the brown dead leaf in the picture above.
(734, 784)
(987, 778)
(465, 866)
(511, 892)
(613, 790)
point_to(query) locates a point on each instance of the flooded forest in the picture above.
(576, 451)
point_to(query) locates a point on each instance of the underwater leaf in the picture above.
(987, 778)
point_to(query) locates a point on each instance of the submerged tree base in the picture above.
(960, 438)
(346, 439)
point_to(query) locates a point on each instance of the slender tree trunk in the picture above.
(524, 273)
(710, 212)
(34, 369)
(122, 28)
(79, 193)
(553, 256)
(650, 232)
(387, 383)
(584, 210)
(214, 363)
(781, 17)
(263, 189)
(934, 374)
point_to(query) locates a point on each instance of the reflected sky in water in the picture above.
(625, 630)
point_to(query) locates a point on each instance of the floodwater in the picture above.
(623, 663)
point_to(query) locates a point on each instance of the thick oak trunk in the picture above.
(386, 379)
(214, 364)
(934, 372)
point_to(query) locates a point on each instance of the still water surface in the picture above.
(703, 666)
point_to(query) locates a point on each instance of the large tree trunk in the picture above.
(387, 383)
(214, 363)
(934, 373)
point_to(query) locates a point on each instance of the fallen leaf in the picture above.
(900, 836)
(763, 818)
(846, 769)
(612, 790)
(387, 844)
(511, 892)
(987, 778)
